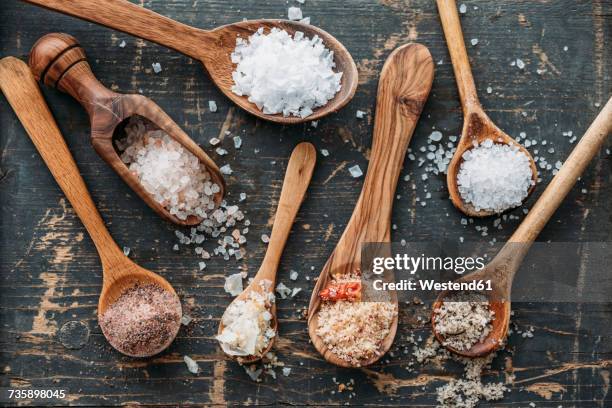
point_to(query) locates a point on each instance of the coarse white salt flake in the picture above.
(192, 366)
(212, 106)
(156, 67)
(294, 13)
(355, 171)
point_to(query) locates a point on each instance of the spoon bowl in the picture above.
(297, 178)
(119, 272)
(403, 88)
(477, 126)
(58, 61)
(212, 48)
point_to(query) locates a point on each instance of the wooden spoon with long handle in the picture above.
(405, 82)
(477, 126)
(297, 178)
(119, 272)
(213, 48)
(58, 61)
(502, 269)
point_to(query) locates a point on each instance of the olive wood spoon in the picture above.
(405, 82)
(297, 178)
(119, 272)
(502, 269)
(211, 47)
(59, 61)
(477, 126)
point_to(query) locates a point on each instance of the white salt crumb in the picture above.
(265, 238)
(214, 141)
(126, 251)
(202, 265)
(355, 171)
(175, 247)
(294, 13)
(287, 370)
(185, 320)
(173, 176)
(282, 290)
(435, 136)
(305, 20)
(243, 197)
(233, 284)
(192, 366)
(293, 275)
(494, 177)
(359, 114)
(462, 9)
(314, 123)
(474, 41)
(325, 152)
(122, 44)
(226, 169)
(221, 151)
(489, 89)
(237, 142)
(156, 67)
(520, 63)
(212, 106)
(565, 48)
(301, 1)
(284, 74)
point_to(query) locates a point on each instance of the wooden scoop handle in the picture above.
(135, 20)
(22, 92)
(297, 178)
(58, 60)
(449, 16)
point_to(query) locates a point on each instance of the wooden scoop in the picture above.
(502, 269)
(59, 61)
(405, 82)
(297, 178)
(213, 48)
(119, 272)
(477, 126)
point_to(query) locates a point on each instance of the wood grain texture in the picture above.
(58, 60)
(297, 178)
(477, 126)
(50, 274)
(405, 82)
(213, 48)
(119, 272)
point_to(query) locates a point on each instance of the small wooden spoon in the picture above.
(297, 178)
(119, 272)
(58, 61)
(502, 269)
(477, 126)
(405, 82)
(213, 48)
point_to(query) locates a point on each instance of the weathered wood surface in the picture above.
(50, 273)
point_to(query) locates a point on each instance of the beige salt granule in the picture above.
(463, 320)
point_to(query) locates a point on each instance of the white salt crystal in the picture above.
(293, 275)
(226, 169)
(295, 291)
(185, 320)
(474, 41)
(212, 106)
(192, 366)
(156, 67)
(305, 20)
(214, 141)
(325, 152)
(462, 9)
(314, 123)
(175, 247)
(301, 1)
(287, 370)
(237, 142)
(294, 13)
(126, 251)
(284, 74)
(122, 44)
(520, 63)
(282, 290)
(265, 238)
(355, 171)
(489, 89)
(243, 197)
(202, 265)
(221, 151)
(435, 136)
(565, 48)
(359, 114)
(233, 284)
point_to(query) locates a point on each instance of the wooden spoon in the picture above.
(213, 48)
(405, 82)
(297, 178)
(502, 269)
(119, 272)
(59, 61)
(477, 126)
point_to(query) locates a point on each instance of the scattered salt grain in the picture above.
(359, 114)
(284, 74)
(214, 141)
(282, 290)
(435, 136)
(293, 275)
(474, 41)
(122, 44)
(489, 90)
(462, 9)
(305, 20)
(192, 366)
(243, 197)
(212, 106)
(265, 238)
(226, 169)
(202, 265)
(325, 152)
(156, 67)
(355, 171)
(294, 13)
(237, 142)
(233, 284)
(520, 63)
(286, 371)
(494, 177)
(126, 251)
(221, 151)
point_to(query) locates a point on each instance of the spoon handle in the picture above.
(564, 180)
(23, 94)
(297, 178)
(449, 17)
(135, 20)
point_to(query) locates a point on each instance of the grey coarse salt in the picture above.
(284, 74)
(494, 177)
(212, 106)
(173, 176)
(221, 151)
(156, 67)
(355, 171)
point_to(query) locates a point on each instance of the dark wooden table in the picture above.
(50, 273)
